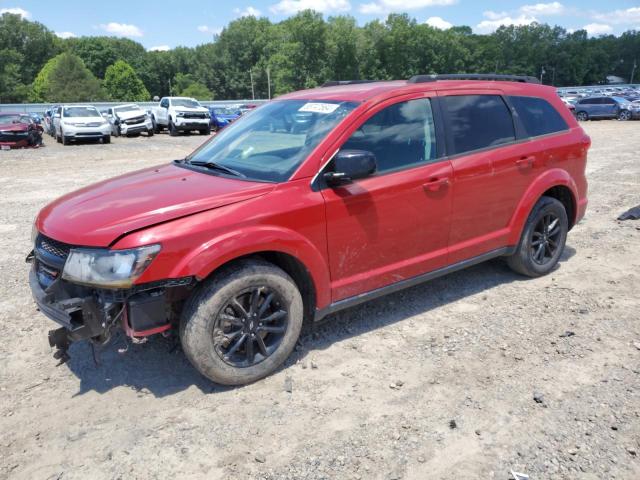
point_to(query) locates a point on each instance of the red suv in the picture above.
(314, 202)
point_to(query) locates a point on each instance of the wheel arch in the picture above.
(286, 249)
(556, 183)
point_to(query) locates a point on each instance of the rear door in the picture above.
(481, 139)
(394, 224)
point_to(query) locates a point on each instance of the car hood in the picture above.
(190, 109)
(130, 114)
(99, 214)
(14, 126)
(228, 118)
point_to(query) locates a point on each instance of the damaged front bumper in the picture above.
(91, 313)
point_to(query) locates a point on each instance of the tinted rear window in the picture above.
(538, 116)
(477, 121)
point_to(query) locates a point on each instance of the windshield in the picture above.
(9, 118)
(126, 108)
(185, 102)
(225, 111)
(274, 140)
(81, 112)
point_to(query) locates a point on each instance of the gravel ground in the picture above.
(469, 376)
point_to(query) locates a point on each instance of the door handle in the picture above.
(435, 184)
(526, 162)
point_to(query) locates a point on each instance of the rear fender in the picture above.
(210, 256)
(549, 179)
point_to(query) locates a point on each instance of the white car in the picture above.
(181, 114)
(128, 120)
(78, 122)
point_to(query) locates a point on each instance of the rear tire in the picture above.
(543, 239)
(268, 318)
(582, 116)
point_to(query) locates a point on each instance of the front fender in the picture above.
(549, 179)
(202, 261)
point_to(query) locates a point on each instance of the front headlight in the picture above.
(180, 114)
(108, 268)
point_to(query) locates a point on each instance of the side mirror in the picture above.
(351, 165)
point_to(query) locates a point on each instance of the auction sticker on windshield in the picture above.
(319, 107)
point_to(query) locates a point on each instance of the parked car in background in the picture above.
(246, 107)
(128, 120)
(48, 125)
(592, 108)
(181, 114)
(635, 109)
(384, 186)
(222, 117)
(569, 105)
(18, 130)
(80, 122)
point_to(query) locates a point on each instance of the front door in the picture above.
(393, 225)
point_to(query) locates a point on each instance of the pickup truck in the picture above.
(180, 114)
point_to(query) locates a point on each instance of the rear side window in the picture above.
(538, 116)
(477, 121)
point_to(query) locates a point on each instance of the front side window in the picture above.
(272, 142)
(400, 136)
(475, 122)
(538, 116)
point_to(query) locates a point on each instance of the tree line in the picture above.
(252, 55)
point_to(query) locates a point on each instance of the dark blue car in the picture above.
(603, 107)
(221, 117)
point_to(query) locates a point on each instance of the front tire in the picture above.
(172, 129)
(106, 139)
(543, 239)
(242, 324)
(624, 115)
(205, 131)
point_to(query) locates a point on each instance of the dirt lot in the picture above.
(435, 382)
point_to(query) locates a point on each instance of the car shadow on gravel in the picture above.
(160, 368)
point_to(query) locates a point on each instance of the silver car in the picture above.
(78, 122)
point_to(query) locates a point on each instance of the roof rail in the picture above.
(335, 83)
(473, 76)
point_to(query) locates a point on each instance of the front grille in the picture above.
(133, 121)
(9, 136)
(92, 124)
(195, 115)
(53, 247)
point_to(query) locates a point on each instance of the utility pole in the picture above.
(633, 70)
(553, 76)
(169, 87)
(253, 92)
(269, 82)
(542, 72)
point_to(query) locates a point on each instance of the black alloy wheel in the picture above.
(545, 239)
(250, 327)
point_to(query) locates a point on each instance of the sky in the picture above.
(163, 24)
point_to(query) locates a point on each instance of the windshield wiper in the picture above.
(217, 166)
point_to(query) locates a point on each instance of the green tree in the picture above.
(185, 85)
(122, 83)
(24, 48)
(71, 81)
(98, 53)
(40, 83)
